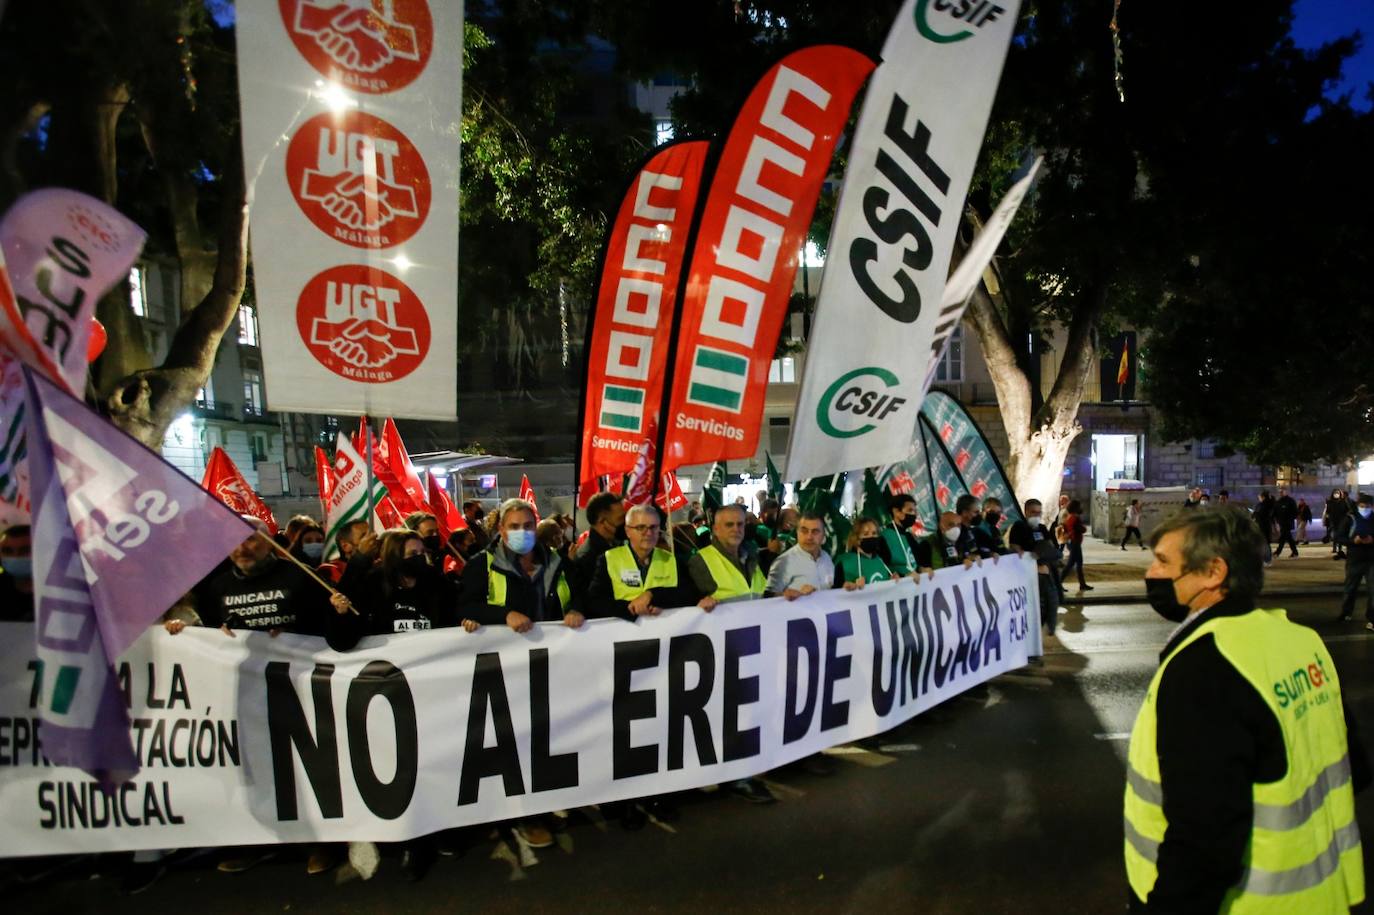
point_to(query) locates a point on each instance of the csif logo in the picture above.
(854, 397)
(977, 13)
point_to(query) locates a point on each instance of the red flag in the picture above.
(642, 477)
(752, 226)
(383, 472)
(390, 515)
(357, 440)
(224, 481)
(445, 512)
(527, 493)
(670, 496)
(616, 483)
(324, 478)
(636, 302)
(389, 452)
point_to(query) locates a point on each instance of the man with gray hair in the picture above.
(806, 567)
(638, 578)
(1242, 766)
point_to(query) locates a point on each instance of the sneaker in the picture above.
(1082, 588)
(247, 861)
(141, 875)
(1369, 626)
(416, 861)
(752, 790)
(534, 834)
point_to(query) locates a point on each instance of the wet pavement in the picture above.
(1004, 800)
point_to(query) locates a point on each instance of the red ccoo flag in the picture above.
(445, 512)
(670, 496)
(224, 482)
(527, 493)
(391, 453)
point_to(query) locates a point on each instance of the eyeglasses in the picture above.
(641, 527)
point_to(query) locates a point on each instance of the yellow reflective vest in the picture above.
(730, 583)
(1304, 851)
(627, 582)
(496, 589)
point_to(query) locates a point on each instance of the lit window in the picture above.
(951, 367)
(663, 132)
(783, 371)
(205, 396)
(248, 325)
(138, 299)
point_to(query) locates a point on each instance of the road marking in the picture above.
(860, 756)
(900, 747)
(1114, 735)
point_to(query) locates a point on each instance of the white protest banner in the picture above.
(256, 740)
(910, 164)
(351, 115)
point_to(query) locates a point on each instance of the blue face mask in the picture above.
(1365, 512)
(18, 566)
(520, 542)
(313, 551)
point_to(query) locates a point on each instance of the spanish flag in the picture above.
(1123, 372)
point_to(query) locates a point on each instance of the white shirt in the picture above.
(796, 567)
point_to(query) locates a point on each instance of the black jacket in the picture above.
(383, 609)
(582, 565)
(1216, 738)
(537, 598)
(281, 596)
(600, 602)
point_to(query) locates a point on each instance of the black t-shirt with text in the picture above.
(281, 596)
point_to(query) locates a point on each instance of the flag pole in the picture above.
(305, 568)
(367, 462)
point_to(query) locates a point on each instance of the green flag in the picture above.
(775, 490)
(713, 493)
(822, 496)
(875, 500)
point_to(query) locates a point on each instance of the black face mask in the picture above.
(1160, 593)
(414, 566)
(870, 544)
(907, 522)
(433, 543)
(620, 533)
(993, 518)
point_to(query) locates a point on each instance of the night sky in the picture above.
(1319, 21)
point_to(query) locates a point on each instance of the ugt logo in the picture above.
(369, 45)
(358, 179)
(977, 13)
(855, 396)
(363, 324)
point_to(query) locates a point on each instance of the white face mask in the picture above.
(952, 535)
(1032, 519)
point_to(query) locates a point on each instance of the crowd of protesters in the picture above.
(508, 568)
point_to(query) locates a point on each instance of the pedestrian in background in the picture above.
(1263, 515)
(1304, 519)
(1286, 516)
(1356, 536)
(1074, 529)
(1132, 525)
(1333, 517)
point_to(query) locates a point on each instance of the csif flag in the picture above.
(224, 481)
(118, 536)
(752, 228)
(910, 163)
(60, 251)
(352, 498)
(627, 350)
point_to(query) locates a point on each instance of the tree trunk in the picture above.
(145, 403)
(1038, 440)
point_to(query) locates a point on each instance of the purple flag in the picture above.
(118, 535)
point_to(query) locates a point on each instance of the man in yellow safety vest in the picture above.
(638, 578)
(1242, 771)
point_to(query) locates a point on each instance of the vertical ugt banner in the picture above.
(752, 227)
(636, 303)
(909, 168)
(351, 115)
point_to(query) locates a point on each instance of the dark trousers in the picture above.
(1357, 570)
(1286, 536)
(1049, 601)
(1132, 532)
(1075, 562)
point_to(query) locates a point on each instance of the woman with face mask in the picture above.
(402, 592)
(864, 559)
(307, 543)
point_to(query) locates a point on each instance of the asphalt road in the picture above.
(1006, 799)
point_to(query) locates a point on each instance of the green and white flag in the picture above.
(775, 487)
(350, 500)
(713, 494)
